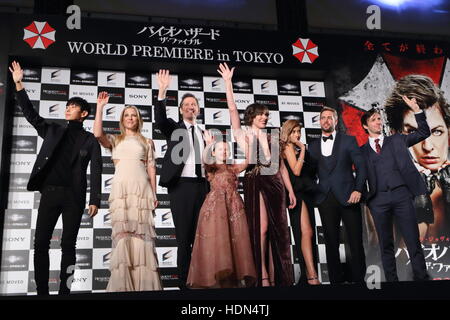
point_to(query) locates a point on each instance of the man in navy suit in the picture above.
(393, 182)
(338, 195)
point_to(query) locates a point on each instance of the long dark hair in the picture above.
(414, 86)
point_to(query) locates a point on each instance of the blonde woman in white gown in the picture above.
(132, 201)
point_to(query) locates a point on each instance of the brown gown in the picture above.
(222, 253)
(273, 193)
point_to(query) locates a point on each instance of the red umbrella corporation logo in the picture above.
(39, 35)
(305, 50)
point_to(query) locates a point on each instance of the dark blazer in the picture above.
(86, 149)
(398, 145)
(339, 180)
(177, 143)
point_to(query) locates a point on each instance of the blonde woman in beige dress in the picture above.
(133, 263)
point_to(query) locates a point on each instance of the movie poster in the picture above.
(368, 83)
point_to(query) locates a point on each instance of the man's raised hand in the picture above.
(16, 72)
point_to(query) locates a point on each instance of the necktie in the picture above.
(198, 159)
(377, 145)
(330, 137)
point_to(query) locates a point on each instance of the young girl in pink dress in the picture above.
(222, 254)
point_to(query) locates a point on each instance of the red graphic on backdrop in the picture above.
(401, 66)
(39, 35)
(305, 50)
(418, 49)
(373, 90)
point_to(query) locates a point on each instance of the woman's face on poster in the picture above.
(432, 152)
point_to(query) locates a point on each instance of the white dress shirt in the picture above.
(327, 147)
(189, 166)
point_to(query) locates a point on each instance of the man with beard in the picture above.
(338, 195)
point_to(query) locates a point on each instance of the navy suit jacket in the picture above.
(398, 145)
(339, 179)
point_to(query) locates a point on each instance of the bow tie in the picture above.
(330, 137)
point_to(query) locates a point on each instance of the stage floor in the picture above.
(408, 290)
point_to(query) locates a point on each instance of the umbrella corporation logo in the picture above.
(305, 50)
(39, 35)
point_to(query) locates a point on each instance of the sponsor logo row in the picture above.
(118, 79)
(22, 282)
(22, 219)
(26, 146)
(51, 104)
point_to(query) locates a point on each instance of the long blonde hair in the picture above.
(286, 131)
(122, 135)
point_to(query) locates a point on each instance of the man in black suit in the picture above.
(182, 171)
(59, 173)
(393, 182)
(338, 195)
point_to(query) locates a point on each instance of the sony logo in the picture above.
(21, 163)
(14, 239)
(138, 96)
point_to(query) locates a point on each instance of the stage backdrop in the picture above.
(49, 89)
(293, 74)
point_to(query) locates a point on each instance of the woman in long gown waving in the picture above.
(133, 263)
(264, 191)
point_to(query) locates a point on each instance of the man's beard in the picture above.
(329, 130)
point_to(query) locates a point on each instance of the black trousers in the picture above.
(186, 199)
(54, 201)
(398, 204)
(331, 214)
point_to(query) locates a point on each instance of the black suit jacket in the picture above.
(177, 138)
(340, 179)
(398, 145)
(86, 149)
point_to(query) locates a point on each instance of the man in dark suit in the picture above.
(182, 171)
(59, 173)
(393, 182)
(338, 195)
